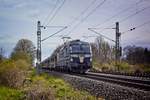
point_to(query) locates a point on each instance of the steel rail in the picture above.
(119, 79)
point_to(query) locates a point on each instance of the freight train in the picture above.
(72, 56)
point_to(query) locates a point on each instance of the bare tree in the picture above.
(103, 51)
(25, 46)
(94, 51)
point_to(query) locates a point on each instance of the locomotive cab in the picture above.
(80, 56)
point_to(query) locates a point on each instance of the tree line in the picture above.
(137, 55)
(24, 49)
(102, 51)
(104, 55)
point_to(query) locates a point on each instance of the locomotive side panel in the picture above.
(63, 60)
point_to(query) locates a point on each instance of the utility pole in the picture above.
(39, 40)
(117, 46)
(38, 44)
(117, 41)
(1, 54)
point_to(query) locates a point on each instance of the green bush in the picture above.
(124, 67)
(146, 68)
(21, 56)
(11, 75)
(64, 91)
(103, 66)
(39, 90)
(141, 68)
(22, 64)
(112, 67)
(10, 94)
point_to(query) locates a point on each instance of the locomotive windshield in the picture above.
(80, 48)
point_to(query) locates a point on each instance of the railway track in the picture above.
(128, 81)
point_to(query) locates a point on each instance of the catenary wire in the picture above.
(57, 10)
(141, 25)
(115, 15)
(51, 11)
(90, 13)
(126, 18)
(82, 13)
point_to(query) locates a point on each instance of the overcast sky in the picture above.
(18, 19)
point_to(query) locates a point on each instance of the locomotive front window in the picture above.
(85, 48)
(80, 48)
(75, 48)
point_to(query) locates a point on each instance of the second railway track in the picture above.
(141, 84)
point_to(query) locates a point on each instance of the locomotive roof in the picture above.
(77, 42)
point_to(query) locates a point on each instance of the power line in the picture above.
(101, 35)
(62, 27)
(115, 15)
(141, 25)
(57, 10)
(126, 18)
(83, 12)
(90, 13)
(54, 33)
(134, 14)
(51, 11)
(54, 26)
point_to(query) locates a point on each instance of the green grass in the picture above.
(112, 66)
(66, 91)
(60, 89)
(10, 94)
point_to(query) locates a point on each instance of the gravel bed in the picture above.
(106, 90)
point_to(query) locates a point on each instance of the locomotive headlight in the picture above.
(91, 59)
(71, 59)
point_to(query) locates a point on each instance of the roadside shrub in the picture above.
(124, 67)
(105, 68)
(10, 74)
(20, 55)
(64, 91)
(22, 64)
(7, 93)
(145, 67)
(39, 90)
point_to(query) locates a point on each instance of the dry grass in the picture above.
(39, 90)
(12, 74)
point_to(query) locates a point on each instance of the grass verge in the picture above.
(7, 93)
(62, 90)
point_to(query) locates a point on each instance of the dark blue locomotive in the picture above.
(73, 56)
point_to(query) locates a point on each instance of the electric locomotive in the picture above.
(72, 56)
